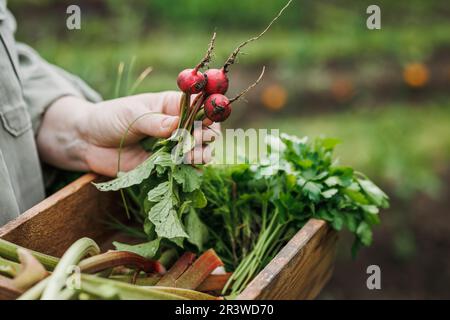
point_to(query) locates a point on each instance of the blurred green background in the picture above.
(384, 93)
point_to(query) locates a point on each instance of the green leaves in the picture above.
(159, 159)
(364, 233)
(130, 178)
(188, 177)
(237, 208)
(329, 193)
(305, 183)
(164, 217)
(196, 229)
(147, 250)
(176, 193)
(312, 190)
(375, 194)
(158, 193)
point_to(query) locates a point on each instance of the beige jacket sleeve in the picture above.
(43, 82)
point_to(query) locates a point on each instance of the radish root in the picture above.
(232, 58)
(250, 87)
(207, 59)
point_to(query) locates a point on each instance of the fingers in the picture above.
(167, 102)
(104, 161)
(157, 125)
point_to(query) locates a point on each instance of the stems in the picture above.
(177, 269)
(168, 257)
(139, 80)
(119, 79)
(185, 102)
(214, 282)
(199, 270)
(110, 289)
(151, 280)
(9, 268)
(254, 84)
(251, 264)
(8, 250)
(113, 259)
(198, 102)
(71, 258)
(35, 292)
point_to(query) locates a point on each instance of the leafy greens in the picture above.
(248, 212)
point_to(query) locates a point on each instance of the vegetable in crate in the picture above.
(166, 192)
(110, 275)
(245, 212)
(253, 210)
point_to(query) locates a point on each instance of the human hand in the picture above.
(79, 135)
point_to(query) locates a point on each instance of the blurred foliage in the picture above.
(248, 14)
(408, 148)
(169, 35)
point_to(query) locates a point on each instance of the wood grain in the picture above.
(76, 211)
(300, 270)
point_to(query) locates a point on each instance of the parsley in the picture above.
(254, 209)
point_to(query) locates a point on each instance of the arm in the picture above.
(75, 131)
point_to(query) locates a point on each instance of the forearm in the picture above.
(59, 139)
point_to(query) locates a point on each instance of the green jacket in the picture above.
(28, 85)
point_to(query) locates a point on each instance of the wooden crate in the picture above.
(299, 271)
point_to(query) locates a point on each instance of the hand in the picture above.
(78, 135)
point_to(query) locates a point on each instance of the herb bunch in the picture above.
(253, 210)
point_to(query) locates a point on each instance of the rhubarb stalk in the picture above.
(185, 261)
(77, 251)
(113, 259)
(199, 270)
(8, 250)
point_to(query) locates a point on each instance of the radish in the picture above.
(218, 107)
(216, 81)
(191, 81)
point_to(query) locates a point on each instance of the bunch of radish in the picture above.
(211, 85)
(209, 88)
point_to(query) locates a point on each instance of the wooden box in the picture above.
(299, 271)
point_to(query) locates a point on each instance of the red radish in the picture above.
(216, 81)
(191, 81)
(217, 107)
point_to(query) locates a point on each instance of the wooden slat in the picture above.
(78, 210)
(300, 270)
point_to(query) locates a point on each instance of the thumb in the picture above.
(158, 125)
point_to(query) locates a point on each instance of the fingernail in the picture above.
(169, 122)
